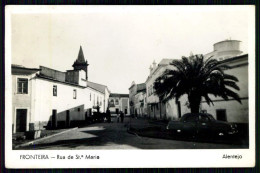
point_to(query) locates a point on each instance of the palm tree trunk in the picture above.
(194, 101)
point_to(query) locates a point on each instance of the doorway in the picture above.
(54, 118)
(21, 119)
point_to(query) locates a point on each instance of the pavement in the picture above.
(114, 136)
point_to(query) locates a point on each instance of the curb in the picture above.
(41, 139)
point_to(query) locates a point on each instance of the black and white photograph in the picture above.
(133, 84)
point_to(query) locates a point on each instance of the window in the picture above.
(22, 86)
(116, 102)
(191, 118)
(203, 118)
(54, 90)
(74, 94)
(78, 109)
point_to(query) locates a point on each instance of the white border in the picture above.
(127, 158)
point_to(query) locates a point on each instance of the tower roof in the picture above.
(80, 60)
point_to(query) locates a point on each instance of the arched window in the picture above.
(116, 102)
(111, 101)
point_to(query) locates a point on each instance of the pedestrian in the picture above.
(117, 118)
(122, 116)
(108, 115)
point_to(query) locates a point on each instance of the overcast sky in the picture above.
(120, 43)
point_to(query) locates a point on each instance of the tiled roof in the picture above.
(18, 69)
(57, 80)
(99, 87)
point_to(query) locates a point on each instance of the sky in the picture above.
(120, 43)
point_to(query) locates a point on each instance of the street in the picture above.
(115, 136)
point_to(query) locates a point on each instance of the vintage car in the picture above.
(200, 125)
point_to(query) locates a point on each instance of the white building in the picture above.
(229, 53)
(134, 102)
(46, 97)
(119, 102)
(225, 50)
(155, 107)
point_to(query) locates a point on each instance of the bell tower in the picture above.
(80, 63)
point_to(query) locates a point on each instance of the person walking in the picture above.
(122, 116)
(118, 117)
(108, 115)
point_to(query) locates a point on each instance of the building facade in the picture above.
(118, 103)
(45, 97)
(134, 93)
(140, 102)
(156, 108)
(228, 52)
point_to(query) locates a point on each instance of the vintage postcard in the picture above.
(130, 86)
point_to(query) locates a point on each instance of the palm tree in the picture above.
(198, 78)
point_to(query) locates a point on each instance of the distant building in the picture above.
(46, 97)
(132, 99)
(140, 101)
(119, 102)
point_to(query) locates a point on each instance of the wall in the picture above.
(22, 101)
(72, 77)
(95, 97)
(45, 102)
(52, 73)
(132, 92)
(153, 105)
(123, 103)
(235, 111)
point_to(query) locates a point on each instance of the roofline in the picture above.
(98, 83)
(52, 69)
(226, 41)
(234, 58)
(131, 86)
(94, 89)
(33, 69)
(51, 79)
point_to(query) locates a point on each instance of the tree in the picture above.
(198, 78)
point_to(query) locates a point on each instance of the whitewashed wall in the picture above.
(45, 102)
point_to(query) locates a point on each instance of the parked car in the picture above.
(200, 125)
